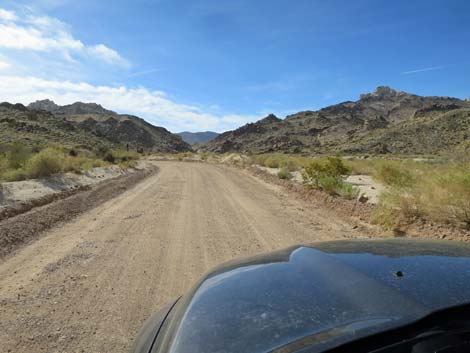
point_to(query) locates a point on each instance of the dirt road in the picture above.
(88, 285)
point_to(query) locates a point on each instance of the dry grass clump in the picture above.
(440, 194)
(278, 160)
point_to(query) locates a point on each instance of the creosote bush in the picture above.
(17, 154)
(46, 163)
(285, 174)
(327, 175)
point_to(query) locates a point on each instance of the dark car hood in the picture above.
(319, 296)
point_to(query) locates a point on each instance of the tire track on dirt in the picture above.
(89, 284)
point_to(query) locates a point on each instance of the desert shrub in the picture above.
(125, 159)
(184, 155)
(272, 162)
(397, 207)
(447, 197)
(327, 175)
(128, 164)
(313, 173)
(289, 165)
(80, 164)
(4, 165)
(285, 174)
(101, 151)
(18, 153)
(394, 175)
(45, 163)
(98, 163)
(277, 160)
(15, 175)
(329, 184)
(109, 157)
(442, 195)
(336, 167)
(206, 155)
(123, 155)
(347, 191)
(319, 171)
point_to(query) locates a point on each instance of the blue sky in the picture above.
(217, 64)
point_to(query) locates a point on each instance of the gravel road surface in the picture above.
(89, 284)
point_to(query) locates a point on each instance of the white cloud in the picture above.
(106, 54)
(46, 34)
(6, 15)
(4, 65)
(433, 68)
(154, 106)
(40, 58)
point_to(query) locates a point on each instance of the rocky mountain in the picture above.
(115, 129)
(41, 128)
(45, 104)
(384, 121)
(197, 137)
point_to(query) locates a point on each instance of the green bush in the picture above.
(80, 164)
(336, 167)
(15, 175)
(18, 154)
(329, 184)
(47, 162)
(320, 171)
(109, 157)
(284, 174)
(288, 164)
(272, 162)
(327, 175)
(394, 175)
(4, 165)
(347, 191)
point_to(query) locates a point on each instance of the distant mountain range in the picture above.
(85, 124)
(381, 122)
(194, 138)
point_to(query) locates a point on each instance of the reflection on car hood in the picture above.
(321, 296)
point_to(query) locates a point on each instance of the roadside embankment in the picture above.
(31, 207)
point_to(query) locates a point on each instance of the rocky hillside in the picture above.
(110, 127)
(41, 128)
(197, 137)
(385, 121)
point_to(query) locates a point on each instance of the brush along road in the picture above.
(87, 285)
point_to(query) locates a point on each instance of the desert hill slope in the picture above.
(109, 127)
(385, 121)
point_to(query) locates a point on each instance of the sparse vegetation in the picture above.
(394, 175)
(438, 193)
(278, 160)
(19, 162)
(17, 154)
(285, 174)
(47, 162)
(327, 175)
